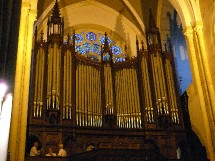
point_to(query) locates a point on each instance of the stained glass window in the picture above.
(80, 49)
(102, 40)
(87, 47)
(89, 44)
(91, 36)
(116, 50)
(95, 47)
(78, 38)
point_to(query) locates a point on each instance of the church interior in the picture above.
(133, 78)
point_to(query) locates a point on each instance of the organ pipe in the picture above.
(172, 91)
(67, 86)
(149, 110)
(100, 88)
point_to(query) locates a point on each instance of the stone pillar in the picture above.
(204, 57)
(22, 81)
(189, 37)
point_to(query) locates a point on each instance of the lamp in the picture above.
(3, 89)
(5, 117)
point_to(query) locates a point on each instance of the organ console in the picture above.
(79, 99)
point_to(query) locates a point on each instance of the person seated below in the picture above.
(34, 151)
(91, 147)
(62, 152)
(50, 153)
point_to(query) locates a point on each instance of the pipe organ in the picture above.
(92, 89)
(73, 92)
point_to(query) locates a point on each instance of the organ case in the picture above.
(77, 100)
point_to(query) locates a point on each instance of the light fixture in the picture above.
(3, 89)
(5, 117)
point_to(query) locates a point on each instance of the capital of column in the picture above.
(188, 31)
(32, 15)
(25, 5)
(198, 28)
(24, 11)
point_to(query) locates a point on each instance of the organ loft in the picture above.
(87, 89)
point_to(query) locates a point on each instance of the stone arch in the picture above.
(126, 2)
(128, 31)
(188, 11)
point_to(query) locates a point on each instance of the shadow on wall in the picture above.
(193, 147)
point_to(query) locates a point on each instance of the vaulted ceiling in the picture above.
(136, 11)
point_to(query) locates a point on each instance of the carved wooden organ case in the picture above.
(77, 100)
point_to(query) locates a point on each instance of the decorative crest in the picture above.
(56, 12)
(106, 47)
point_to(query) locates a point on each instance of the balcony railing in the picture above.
(106, 155)
(113, 155)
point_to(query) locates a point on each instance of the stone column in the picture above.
(189, 37)
(21, 89)
(204, 57)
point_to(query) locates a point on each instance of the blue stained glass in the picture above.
(87, 47)
(91, 36)
(80, 49)
(106, 57)
(102, 40)
(88, 42)
(116, 50)
(78, 38)
(99, 53)
(95, 58)
(119, 59)
(95, 47)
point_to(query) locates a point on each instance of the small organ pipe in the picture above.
(67, 83)
(42, 80)
(99, 100)
(84, 73)
(131, 98)
(64, 87)
(54, 79)
(123, 97)
(137, 101)
(126, 97)
(70, 88)
(93, 96)
(36, 86)
(77, 94)
(126, 87)
(82, 95)
(57, 76)
(88, 79)
(117, 100)
(154, 77)
(135, 98)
